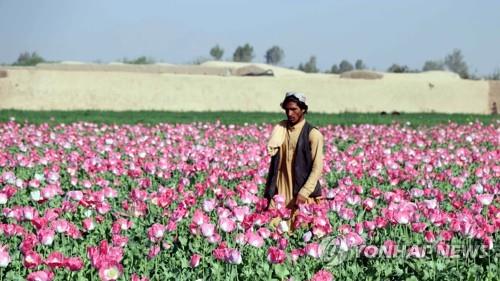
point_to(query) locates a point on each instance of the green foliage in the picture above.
(335, 69)
(178, 245)
(433, 65)
(345, 66)
(235, 117)
(27, 59)
(360, 65)
(274, 55)
(243, 53)
(455, 62)
(139, 60)
(217, 52)
(396, 68)
(310, 66)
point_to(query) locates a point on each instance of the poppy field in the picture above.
(89, 201)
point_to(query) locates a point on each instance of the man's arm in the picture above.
(316, 141)
(277, 137)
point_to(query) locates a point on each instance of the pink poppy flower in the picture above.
(136, 277)
(370, 251)
(46, 236)
(88, 224)
(418, 227)
(322, 275)
(153, 251)
(75, 195)
(282, 243)
(73, 263)
(354, 239)
(254, 239)
(275, 255)
(110, 271)
(369, 225)
(29, 242)
(156, 232)
(429, 237)
(195, 260)
(73, 232)
(199, 217)
(32, 259)
(99, 254)
(121, 224)
(207, 229)
(296, 254)
(4, 256)
(60, 225)
(240, 239)
(389, 248)
(221, 252)
(240, 213)
(431, 204)
(307, 236)
(119, 240)
(43, 275)
(30, 213)
(3, 198)
(264, 232)
(226, 224)
(215, 238)
(446, 235)
(368, 204)
(403, 217)
(488, 242)
(346, 214)
(485, 199)
(313, 250)
(234, 257)
(209, 205)
(55, 260)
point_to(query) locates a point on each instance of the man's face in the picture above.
(293, 112)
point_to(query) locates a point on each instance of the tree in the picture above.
(335, 69)
(139, 60)
(310, 66)
(274, 55)
(433, 65)
(217, 52)
(345, 66)
(243, 54)
(27, 59)
(455, 62)
(359, 65)
(396, 68)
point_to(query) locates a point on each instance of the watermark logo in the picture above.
(335, 251)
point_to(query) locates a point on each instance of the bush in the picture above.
(310, 66)
(455, 62)
(27, 59)
(139, 60)
(243, 54)
(217, 52)
(274, 55)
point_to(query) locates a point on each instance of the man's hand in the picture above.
(300, 200)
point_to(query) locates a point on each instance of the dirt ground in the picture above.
(214, 86)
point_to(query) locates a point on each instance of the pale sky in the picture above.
(379, 32)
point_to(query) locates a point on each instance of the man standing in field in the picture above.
(296, 150)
